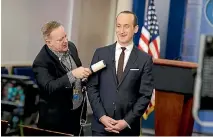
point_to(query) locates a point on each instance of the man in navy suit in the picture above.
(120, 93)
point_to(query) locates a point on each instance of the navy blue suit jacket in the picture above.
(126, 100)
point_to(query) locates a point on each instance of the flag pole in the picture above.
(145, 13)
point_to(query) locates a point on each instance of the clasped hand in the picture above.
(112, 125)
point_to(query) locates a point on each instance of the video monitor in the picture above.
(17, 91)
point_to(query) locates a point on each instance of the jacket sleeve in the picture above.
(145, 93)
(48, 82)
(93, 91)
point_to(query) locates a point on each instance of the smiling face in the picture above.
(125, 28)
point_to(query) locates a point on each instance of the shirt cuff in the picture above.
(101, 117)
(128, 125)
(71, 78)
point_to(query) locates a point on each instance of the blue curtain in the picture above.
(176, 23)
(138, 8)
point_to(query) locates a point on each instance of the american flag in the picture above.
(150, 42)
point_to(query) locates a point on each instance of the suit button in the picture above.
(114, 105)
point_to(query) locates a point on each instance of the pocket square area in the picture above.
(134, 69)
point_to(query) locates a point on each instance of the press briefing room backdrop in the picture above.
(181, 29)
(90, 24)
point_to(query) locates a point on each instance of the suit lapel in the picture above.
(72, 53)
(130, 63)
(56, 59)
(112, 58)
(75, 57)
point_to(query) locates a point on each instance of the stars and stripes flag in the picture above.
(150, 42)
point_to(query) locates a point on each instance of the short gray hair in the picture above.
(49, 27)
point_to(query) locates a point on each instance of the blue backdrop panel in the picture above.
(138, 8)
(207, 18)
(192, 31)
(206, 115)
(175, 28)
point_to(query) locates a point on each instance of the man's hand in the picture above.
(81, 72)
(121, 124)
(109, 123)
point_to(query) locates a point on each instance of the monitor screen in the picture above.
(13, 93)
(13, 90)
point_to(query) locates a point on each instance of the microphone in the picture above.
(94, 68)
(113, 60)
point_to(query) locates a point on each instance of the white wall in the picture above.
(92, 26)
(89, 24)
(21, 24)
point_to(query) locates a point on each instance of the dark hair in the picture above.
(130, 12)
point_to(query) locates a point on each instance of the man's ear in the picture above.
(136, 28)
(47, 41)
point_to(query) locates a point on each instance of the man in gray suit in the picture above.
(120, 93)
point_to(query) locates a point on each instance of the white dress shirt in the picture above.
(127, 52)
